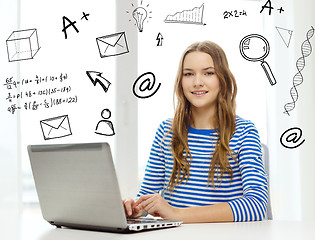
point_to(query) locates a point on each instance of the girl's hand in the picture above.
(131, 209)
(157, 206)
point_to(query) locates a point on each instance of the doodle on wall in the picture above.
(269, 6)
(22, 45)
(96, 77)
(193, 16)
(105, 127)
(291, 138)
(143, 87)
(31, 97)
(112, 45)
(306, 50)
(255, 47)
(285, 35)
(72, 23)
(56, 127)
(234, 14)
(140, 15)
(159, 38)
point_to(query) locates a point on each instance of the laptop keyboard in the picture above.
(143, 220)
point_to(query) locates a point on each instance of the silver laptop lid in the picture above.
(77, 185)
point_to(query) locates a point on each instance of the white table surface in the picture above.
(29, 225)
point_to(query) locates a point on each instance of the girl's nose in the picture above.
(198, 80)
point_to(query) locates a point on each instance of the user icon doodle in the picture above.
(105, 127)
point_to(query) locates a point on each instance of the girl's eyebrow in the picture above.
(208, 68)
(189, 69)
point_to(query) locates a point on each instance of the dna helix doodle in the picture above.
(306, 49)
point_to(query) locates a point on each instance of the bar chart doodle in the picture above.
(306, 50)
(193, 16)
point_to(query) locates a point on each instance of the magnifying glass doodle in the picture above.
(255, 47)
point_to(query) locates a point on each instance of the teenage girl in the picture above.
(206, 163)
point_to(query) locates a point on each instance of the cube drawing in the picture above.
(22, 45)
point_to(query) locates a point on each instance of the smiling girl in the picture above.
(206, 163)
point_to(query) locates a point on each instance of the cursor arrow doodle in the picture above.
(96, 77)
(159, 38)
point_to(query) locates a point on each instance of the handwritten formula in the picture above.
(234, 14)
(38, 92)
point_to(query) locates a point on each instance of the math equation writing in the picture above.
(38, 92)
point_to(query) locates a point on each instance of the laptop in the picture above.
(77, 187)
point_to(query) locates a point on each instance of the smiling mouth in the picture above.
(199, 93)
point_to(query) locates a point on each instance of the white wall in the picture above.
(305, 107)
(9, 141)
(136, 120)
(292, 186)
(10, 174)
(72, 56)
(126, 153)
(163, 61)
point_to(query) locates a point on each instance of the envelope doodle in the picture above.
(56, 127)
(112, 45)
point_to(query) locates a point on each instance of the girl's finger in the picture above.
(128, 207)
(143, 198)
(146, 202)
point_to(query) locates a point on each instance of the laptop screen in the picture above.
(77, 184)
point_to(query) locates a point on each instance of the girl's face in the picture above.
(200, 83)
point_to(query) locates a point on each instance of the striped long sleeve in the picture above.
(246, 192)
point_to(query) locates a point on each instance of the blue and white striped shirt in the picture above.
(246, 193)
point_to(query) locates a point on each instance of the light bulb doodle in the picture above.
(306, 49)
(291, 138)
(140, 15)
(255, 47)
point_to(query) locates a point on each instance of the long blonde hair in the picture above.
(225, 117)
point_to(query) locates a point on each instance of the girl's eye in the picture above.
(210, 73)
(187, 74)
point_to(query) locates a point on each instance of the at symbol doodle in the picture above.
(144, 86)
(291, 138)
